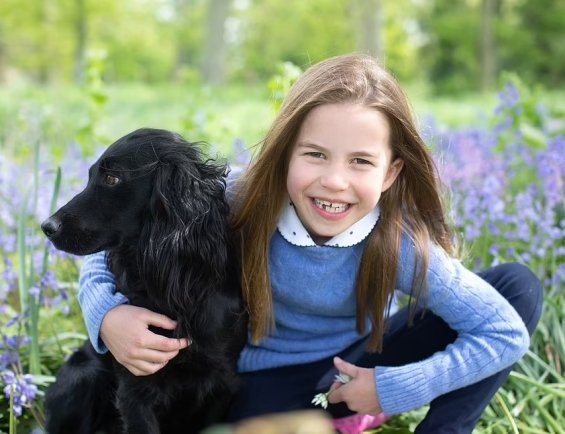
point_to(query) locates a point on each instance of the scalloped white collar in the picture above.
(292, 229)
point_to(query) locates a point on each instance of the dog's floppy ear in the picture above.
(185, 242)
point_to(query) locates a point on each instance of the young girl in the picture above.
(340, 209)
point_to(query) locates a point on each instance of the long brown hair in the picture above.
(412, 205)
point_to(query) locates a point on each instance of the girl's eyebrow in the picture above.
(366, 154)
(307, 144)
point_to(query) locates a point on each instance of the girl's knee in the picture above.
(524, 291)
(525, 281)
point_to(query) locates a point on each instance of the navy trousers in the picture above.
(293, 387)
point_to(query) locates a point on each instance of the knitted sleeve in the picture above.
(491, 335)
(97, 295)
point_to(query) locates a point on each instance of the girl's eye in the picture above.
(315, 154)
(111, 180)
(360, 161)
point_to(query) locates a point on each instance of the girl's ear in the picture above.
(392, 173)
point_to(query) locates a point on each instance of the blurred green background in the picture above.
(455, 46)
(202, 67)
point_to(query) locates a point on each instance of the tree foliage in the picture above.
(528, 38)
(162, 40)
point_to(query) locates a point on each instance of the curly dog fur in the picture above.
(158, 209)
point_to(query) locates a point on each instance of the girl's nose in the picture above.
(334, 180)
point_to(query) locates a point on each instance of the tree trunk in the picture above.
(488, 49)
(369, 22)
(213, 65)
(182, 59)
(81, 32)
(44, 42)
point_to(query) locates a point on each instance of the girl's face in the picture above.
(339, 166)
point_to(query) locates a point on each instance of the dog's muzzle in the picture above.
(51, 226)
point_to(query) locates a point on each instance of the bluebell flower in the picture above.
(20, 388)
(49, 280)
(509, 98)
(11, 321)
(34, 291)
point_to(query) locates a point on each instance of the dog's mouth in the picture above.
(78, 246)
(68, 238)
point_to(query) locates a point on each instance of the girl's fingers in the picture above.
(156, 357)
(149, 362)
(345, 368)
(165, 344)
(159, 320)
(142, 368)
(126, 332)
(335, 386)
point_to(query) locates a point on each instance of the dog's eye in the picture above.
(111, 180)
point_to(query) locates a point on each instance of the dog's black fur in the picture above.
(158, 209)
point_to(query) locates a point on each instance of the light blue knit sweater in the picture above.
(314, 302)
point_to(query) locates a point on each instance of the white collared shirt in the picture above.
(292, 230)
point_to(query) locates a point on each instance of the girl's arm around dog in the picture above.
(114, 325)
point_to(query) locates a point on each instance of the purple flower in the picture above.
(49, 280)
(9, 274)
(15, 319)
(20, 388)
(8, 242)
(509, 98)
(34, 291)
(10, 349)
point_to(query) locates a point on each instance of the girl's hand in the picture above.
(125, 331)
(359, 393)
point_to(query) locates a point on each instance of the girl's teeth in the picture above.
(329, 206)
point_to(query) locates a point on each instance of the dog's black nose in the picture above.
(50, 226)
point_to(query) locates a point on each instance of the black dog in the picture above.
(158, 209)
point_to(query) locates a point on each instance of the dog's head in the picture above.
(149, 180)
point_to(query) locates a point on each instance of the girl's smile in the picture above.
(339, 166)
(330, 207)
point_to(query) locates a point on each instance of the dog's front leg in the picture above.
(137, 412)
